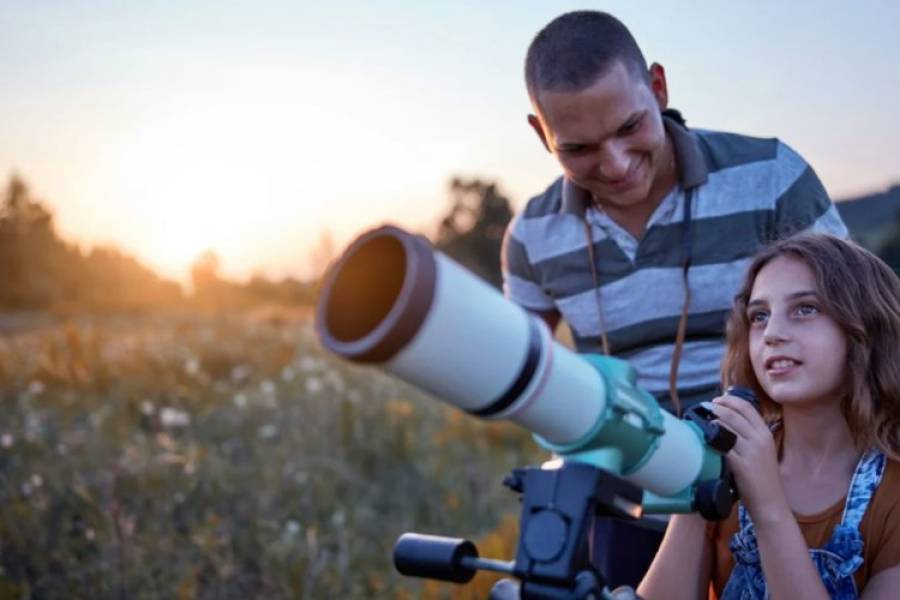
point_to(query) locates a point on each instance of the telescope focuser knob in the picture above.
(714, 499)
(717, 437)
(515, 480)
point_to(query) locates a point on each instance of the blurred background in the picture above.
(176, 178)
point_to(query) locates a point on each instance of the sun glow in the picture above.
(211, 175)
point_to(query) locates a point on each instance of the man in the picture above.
(641, 244)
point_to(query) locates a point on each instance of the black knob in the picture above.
(515, 480)
(434, 557)
(717, 437)
(713, 499)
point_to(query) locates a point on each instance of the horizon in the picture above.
(251, 130)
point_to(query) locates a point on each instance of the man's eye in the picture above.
(573, 149)
(629, 127)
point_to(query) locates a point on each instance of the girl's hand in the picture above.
(754, 460)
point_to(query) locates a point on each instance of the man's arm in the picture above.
(520, 282)
(802, 203)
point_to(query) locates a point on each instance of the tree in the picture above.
(472, 231)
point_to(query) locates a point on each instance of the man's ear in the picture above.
(658, 85)
(535, 123)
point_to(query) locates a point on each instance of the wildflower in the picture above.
(287, 374)
(267, 388)
(36, 388)
(147, 408)
(338, 518)
(267, 432)
(308, 364)
(291, 528)
(335, 381)
(239, 400)
(240, 373)
(313, 385)
(7, 440)
(172, 417)
(192, 366)
(36, 480)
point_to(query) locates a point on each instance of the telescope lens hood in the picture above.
(376, 295)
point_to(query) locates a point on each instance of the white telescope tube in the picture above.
(392, 300)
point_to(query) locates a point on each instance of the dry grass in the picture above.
(178, 456)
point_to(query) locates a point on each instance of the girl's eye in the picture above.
(806, 310)
(758, 317)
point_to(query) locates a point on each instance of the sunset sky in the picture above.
(250, 128)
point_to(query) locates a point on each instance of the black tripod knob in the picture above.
(713, 499)
(434, 557)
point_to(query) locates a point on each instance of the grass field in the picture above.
(185, 456)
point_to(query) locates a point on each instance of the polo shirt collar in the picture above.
(692, 169)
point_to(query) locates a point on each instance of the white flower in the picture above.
(7, 440)
(192, 366)
(308, 363)
(267, 432)
(267, 388)
(338, 518)
(239, 400)
(240, 373)
(172, 417)
(147, 408)
(35, 388)
(287, 374)
(313, 385)
(291, 528)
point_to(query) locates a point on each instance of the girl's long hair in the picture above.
(862, 295)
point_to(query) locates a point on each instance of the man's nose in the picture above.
(614, 162)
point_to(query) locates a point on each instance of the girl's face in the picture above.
(798, 352)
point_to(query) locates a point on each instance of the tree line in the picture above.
(40, 270)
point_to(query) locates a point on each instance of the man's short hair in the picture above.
(577, 48)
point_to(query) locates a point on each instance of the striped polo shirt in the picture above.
(745, 193)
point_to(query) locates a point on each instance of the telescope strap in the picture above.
(681, 331)
(593, 262)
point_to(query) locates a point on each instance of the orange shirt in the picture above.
(880, 529)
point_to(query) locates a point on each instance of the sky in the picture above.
(251, 128)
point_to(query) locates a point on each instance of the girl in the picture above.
(815, 331)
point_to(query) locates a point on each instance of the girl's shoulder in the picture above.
(887, 495)
(880, 527)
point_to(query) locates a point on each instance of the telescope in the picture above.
(392, 301)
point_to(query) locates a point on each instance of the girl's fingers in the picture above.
(742, 407)
(733, 420)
